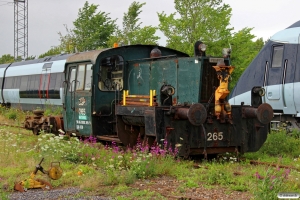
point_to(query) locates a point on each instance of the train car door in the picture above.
(44, 83)
(274, 77)
(78, 95)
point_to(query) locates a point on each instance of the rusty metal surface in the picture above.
(196, 114)
(264, 113)
(133, 120)
(181, 113)
(19, 187)
(85, 56)
(110, 138)
(46, 184)
(38, 122)
(59, 122)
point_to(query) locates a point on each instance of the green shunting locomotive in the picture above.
(159, 94)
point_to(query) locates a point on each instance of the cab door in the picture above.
(82, 99)
(78, 105)
(69, 109)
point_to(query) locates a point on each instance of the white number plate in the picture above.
(215, 136)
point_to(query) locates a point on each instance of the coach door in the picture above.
(77, 101)
(44, 83)
(274, 83)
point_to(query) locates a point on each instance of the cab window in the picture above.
(84, 77)
(277, 56)
(111, 73)
(80, 77)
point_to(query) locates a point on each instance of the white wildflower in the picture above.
(61, 131)
(178, 145)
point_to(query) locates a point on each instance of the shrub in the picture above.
(280, 144)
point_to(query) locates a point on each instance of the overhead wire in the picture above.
(7, 3)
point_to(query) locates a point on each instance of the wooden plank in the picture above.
(138, 96)
(139, 103)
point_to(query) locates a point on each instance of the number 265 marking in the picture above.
(215, 136)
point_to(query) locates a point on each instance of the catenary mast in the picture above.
(21, 29)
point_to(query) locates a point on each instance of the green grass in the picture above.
(116, 170)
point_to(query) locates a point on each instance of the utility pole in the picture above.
(21, 29)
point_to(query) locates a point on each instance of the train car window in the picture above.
(17, 82)
(36, 82)
(44, 85)
(111, 73)
(80, 77)
(52, 81)
(8, 83)
(52, 85)
(59, 81)
(277, 56)
(23, 87)
(35, 86)
(29, 86)
(47, 65)
(88, 77)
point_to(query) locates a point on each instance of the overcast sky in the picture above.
(47, 18)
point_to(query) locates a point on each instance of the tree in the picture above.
(244, 50)
(132, 32)
(7, 58)
(51, 52)
(67, 42)
(205, 20)
(92, 28)
(30, 58)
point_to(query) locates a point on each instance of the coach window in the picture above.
(277, 56)
(111, 73)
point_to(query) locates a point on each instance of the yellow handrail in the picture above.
(139, 99)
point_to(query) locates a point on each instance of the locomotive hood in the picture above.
(289, 35)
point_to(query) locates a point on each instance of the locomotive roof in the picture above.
(93, 55)
(40, 60)
(289, 35)
(85, 56)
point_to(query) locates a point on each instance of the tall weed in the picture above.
(271, 183)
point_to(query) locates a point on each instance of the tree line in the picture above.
(205, 20)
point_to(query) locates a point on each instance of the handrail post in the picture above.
(124, 97)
